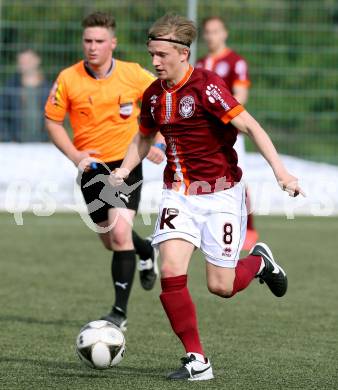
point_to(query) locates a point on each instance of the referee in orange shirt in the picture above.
(101, 96)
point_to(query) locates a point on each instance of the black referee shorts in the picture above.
(100, 196)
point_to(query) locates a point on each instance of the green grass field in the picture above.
(55, 278)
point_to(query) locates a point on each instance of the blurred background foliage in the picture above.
(291, 47)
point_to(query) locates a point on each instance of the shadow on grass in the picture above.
(116, 372)
(40, 321)
(74, 369)
(41, 362)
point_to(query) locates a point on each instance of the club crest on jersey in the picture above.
(126, 110)
(214, 95)
(187, 107)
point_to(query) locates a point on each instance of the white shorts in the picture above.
(215, 223)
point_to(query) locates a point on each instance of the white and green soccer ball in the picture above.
(100, 345)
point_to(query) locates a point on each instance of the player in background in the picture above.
(203, 199)
(101, 95)
(233, 69)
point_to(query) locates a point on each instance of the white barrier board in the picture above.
(38, 178)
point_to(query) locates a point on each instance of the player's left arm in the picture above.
(248, 125)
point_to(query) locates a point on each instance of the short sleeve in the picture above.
(145, 79)
(218, 101)
(57, 103)
(241, 74)
(147, 122)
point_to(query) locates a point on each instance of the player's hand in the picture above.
(84, 158)
(156, 155)
(290, 184)
(116, 178)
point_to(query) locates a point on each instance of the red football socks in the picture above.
(180, 309)
(246, 270)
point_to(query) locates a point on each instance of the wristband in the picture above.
(161, 146)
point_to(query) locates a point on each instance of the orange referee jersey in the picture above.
(103, 112)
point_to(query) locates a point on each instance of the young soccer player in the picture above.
(101, 95)
(203, 202)
(233, 69)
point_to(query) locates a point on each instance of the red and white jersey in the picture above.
(194, 118)
(229, 65)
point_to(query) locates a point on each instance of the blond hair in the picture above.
(183, 30)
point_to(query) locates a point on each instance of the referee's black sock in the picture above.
(143, 247)
(122, 271)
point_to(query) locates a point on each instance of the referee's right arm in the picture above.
(61, 139)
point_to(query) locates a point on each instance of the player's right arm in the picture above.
(56, 108)
(157, 151)
(137, 151)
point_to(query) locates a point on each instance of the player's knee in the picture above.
(223, 290)
(169, 270)
(120, 238)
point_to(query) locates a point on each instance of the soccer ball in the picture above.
(100, 344)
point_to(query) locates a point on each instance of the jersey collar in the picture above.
(180, 84)
(91, 73)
